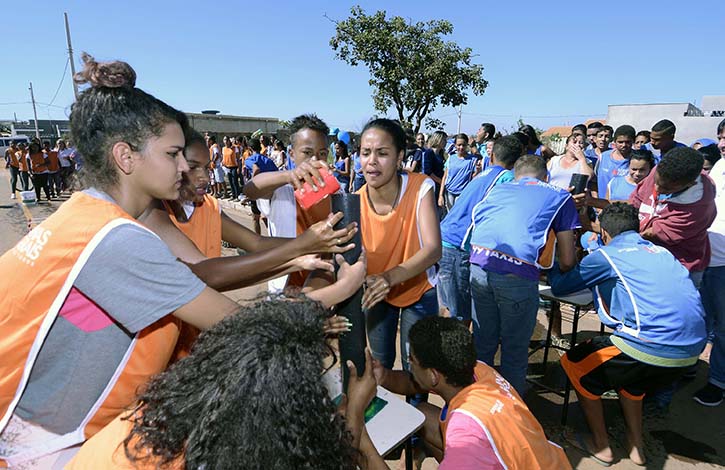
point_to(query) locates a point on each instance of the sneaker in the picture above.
(12, 196)
(709, 395)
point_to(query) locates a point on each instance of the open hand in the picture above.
(323, 238)
(313, 262)
(377, 288)
(352, 276)
(361, 390)
(335, 325)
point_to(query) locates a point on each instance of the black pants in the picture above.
(14, 172)
(40, 181)
(24, 179)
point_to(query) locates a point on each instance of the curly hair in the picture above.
(446, 345)
(249, 395)
(112, 110)
(680, 165)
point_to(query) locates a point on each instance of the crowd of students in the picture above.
(49, 169)
(120, 352)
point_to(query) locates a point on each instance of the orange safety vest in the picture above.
(211, 155)
(229, 157)
(514, 433)
(305, 220)
(204, 228)
(37, 162)
(12, 158)
(392, 238)
(20, 156)
(105, 451)
(53, 162)
(46, 262)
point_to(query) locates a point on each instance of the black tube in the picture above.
(352, 343)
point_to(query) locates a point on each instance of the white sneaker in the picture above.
(12, 196)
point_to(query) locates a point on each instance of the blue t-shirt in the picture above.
(608, 168)
(432, 163)
(264, 163)
(619, 189)
(515, 227)
(455, 226)
(343, 180)
(460, 171)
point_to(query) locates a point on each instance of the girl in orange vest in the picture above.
(207, 412)
(38, 169)
(98, 298)
(401, 234)
(12, 163)
(53, 169)
(22, 157)
(193, 227)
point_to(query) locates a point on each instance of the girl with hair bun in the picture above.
(97, 299)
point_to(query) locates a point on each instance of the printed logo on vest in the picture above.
(28, 249)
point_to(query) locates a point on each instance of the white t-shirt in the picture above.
(717, 229)
(281, 214)
(64, 157)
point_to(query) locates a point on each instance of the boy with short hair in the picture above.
(662, 137)
(676, 204)
(484, 424)
(657, 318)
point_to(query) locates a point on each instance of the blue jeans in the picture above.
(504, 312)
(233, 176)
(713, 299)
(454, 282)
(358, 182)
(382, 326)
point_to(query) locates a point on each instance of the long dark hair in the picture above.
(249, 394)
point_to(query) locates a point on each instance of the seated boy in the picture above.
(676, 204)
(484, 424)
(645, 297)
(453, 277)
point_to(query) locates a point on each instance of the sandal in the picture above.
(580, 444)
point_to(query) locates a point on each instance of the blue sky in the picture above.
(551, 63)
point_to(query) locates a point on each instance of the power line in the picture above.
(62, 79)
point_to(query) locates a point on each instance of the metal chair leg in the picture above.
(567, 386)
(547, 345)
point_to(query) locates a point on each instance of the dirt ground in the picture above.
(688, 436)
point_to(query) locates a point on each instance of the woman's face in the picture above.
(461, 147)
(161, 163)
(338, 150)
(197, 178)
(379, 157)
(489, 147)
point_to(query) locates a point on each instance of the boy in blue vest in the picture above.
(453, 277)
(646, 297)
(516, 228)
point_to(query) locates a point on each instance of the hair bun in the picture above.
(116, 74)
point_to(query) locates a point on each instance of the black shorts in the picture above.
(255, 208)
(597, 366)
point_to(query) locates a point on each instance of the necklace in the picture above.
(395, 201)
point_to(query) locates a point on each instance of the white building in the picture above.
(692, 122)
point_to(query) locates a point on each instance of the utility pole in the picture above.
(35, 113)
(70, 57)
(460, 112)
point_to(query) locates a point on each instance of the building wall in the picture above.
(232, 125)
(690, 126)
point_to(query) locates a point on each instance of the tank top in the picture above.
(560, 176)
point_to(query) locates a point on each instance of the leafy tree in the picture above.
(412, 68)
